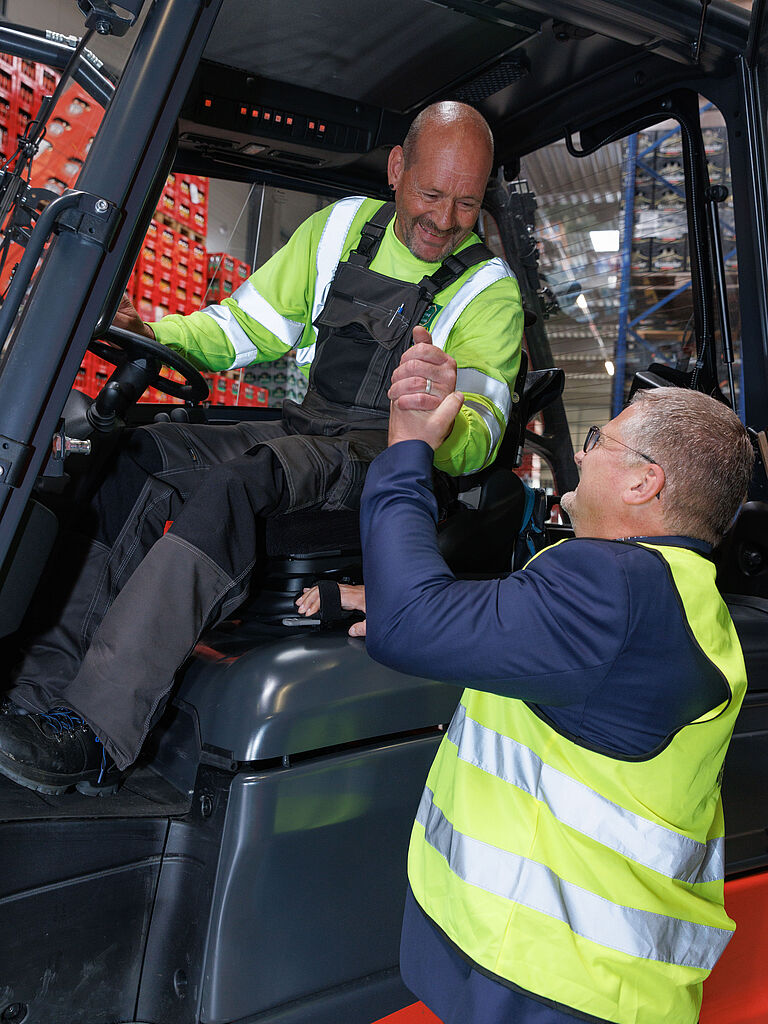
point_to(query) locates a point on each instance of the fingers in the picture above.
(444, 416)
(357, 629)
(128, 319)
(309, 602)
(419, 425)
(419, 400)
(443, 373)
(421, 336)
(427, 393)
(425, 373)
(428, 355)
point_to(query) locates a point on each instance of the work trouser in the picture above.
(143, 596)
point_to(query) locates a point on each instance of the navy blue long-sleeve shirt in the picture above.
(591, 635)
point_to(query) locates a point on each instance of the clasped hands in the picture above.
(424, 404)
(423, 396)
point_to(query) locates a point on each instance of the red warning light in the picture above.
(208, 102)
(243, 111)
(278, 118)
(321, 127)
(254, 112)
(267, 115)
(311, 126)
(289, 120)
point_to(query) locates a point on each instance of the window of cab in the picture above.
(614, 268)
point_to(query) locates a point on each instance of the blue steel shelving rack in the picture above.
(628, 325)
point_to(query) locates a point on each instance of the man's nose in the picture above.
(578, 457)
(442, 214)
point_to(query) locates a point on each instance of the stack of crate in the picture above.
(282, 378)
(170, 273)
(23, 84)
(67, 139)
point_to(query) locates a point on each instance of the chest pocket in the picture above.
(363, 330)
(367, 321)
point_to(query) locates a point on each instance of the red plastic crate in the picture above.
(6, 84)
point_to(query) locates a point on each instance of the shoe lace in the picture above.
(103, 766)
(63, 720)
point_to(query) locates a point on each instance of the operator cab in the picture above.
(281, 783)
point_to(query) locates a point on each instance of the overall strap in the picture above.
(371, 236)
(452, 268)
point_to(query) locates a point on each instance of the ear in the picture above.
(396, 166)
(647, 484)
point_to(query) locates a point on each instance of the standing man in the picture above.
(566, 862)
(354, 287)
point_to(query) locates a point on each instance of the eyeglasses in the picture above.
(595, 433)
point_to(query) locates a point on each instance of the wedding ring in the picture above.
(428, 388)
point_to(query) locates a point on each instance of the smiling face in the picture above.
(438, 195)
(616, 489)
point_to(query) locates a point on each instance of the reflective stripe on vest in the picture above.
(327, 259)
(484, 276)
(534, 885)
(581, 808)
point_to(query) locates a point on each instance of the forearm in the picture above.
(522, 636)
(196, 337)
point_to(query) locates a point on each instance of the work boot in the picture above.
(51, 752)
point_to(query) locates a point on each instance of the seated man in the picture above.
(354, 286)
(566, 862)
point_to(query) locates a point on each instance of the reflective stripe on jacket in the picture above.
(584, 878)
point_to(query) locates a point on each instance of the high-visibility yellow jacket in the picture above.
(478, 320)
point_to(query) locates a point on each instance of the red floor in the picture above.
(737, 990)
(416, 1014)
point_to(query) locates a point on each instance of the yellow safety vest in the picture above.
(586, 879)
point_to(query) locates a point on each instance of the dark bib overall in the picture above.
(363, 329)
(215, 483)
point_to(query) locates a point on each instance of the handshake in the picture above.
(423, 396)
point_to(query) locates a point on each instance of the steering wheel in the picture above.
(131, 348)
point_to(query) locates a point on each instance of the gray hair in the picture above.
(706, 455)
(444, 114)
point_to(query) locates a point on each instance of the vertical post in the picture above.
(40, 361)
(626, 273)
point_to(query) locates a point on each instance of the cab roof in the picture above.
(323, 91)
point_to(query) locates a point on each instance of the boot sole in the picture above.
(36, 780)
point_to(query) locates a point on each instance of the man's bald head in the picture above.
(444, 119)
(439, 175)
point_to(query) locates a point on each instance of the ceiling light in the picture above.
(609, 368)
(581, 302)
(605, 241)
